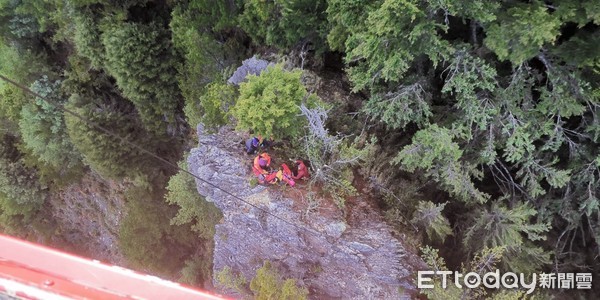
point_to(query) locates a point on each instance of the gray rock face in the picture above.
(355, 258)
(252, 66)
(88, 215)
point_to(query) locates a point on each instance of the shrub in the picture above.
(229, 280)
(197, 269)
(268, 285)
(269, 103)
(193, 209)
(212, 107)
(332, 157)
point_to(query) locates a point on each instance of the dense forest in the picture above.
(476, 121)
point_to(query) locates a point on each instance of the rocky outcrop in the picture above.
(87, 216)
(336, 258)
(250, 66)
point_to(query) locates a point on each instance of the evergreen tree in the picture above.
(502, 92)
(193, 209)
(205, 33)
(43, 129)
(142, 60)
(269, 104)
(146, 237)
(21, 193)
(428, 216)
(87, 37)
(213, 106)
(285, 24)
(106, 154)
(501, 226)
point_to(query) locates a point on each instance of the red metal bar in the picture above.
(32, 271)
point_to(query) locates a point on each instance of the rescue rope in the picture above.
(163, 160)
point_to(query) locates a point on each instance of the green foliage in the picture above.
(44, 131)
(17, 22)
(87, 38)
(408, 104)
(520, 31)
(269, 104)
(429, 217)
(346, 17)
(268, 285)
(227, 279)
(498, 98)
(202, 216)
(471, 81)
(193, 209)
(108, 155)
(143, 62)
(21, 193)
(204, 32)
(434, 151)
(19, 65)
(580, 50)
(437, 263)
(437, 147)
(213, 107)
(284, 24)
(483, 262)
(147, 239)
(529, 127)
(13, 99)
(501, 226)
(333, 157)
(197, 269)
(385, 47)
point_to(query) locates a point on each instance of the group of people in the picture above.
(262, 166)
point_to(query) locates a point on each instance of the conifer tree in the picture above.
(21, 193)
(503, 227)
(43, 129)
(105, 154)
(141, 59)
(269, 104)
(429, 217)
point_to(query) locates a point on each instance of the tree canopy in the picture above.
(488, 110)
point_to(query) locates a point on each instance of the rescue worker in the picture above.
(261, 167)
(252, 145)
(302, 171)
(285, 175)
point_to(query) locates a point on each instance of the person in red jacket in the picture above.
(285, 175)
(302, 171)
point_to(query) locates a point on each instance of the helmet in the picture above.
(262, 162)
